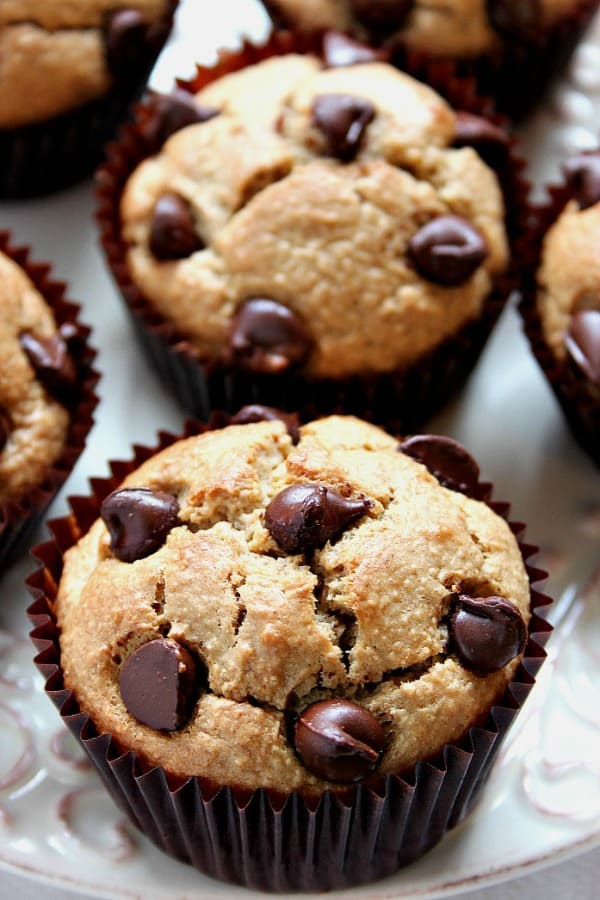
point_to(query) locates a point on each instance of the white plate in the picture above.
(543, 800)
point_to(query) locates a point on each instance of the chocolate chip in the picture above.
(339, 741)
(267, 337)
(52, 363)
(125, 41)
(339, 51)
(159, 684)
(343, 119)
(382, 14)
(583, 343)
(445, 458)
(258, 413)
(486, 632)
(583, 177)
(515, 18)
(448, 250)
(138, 521)
(487, 139)
(305, 516)
(5, 427)
(173, 231)
(174, 111)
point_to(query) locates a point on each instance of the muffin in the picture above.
(514, 48)
(562, 304)
(318, 233)
(68, 73)
(46, 393)
(309, 625)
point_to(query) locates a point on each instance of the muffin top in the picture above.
(56, 55)
(456, 28)
(316, 218)
(36, 373)
(294, 609)
(568, 298)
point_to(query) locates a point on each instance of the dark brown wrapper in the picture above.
(579, 398)
(18, 519)
(47, 156)
(260, 839)
(410, 395)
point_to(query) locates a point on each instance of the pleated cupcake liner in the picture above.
(579, 399)
(19, 519)
(47, 156)
(202, 385)
(518, 74)
(262, 839)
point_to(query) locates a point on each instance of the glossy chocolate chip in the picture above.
(583, 177)
(126, 41)
(448, 250)
(159, 684)
(257, 413)
(486, 632)
(5, 427)
(305, 516)
(339, 51)
(445, 458)
(515, 18)
(173, 231)
(339, 741)
(487, 139)
(174, 111)
(343, 119)
(53, 364)
(382, 14)
(267, 337)
(583, 343)
(138, 521)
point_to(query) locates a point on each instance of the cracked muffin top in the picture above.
(293, 608)
(56, 55)
(36, 377)
(454, 28)
(568, 298)
(317, 218)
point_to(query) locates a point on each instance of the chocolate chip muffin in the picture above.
(66, 65)
(561, 296)
(489, 37)
(311, 229)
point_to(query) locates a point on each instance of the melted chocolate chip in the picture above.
(339, 741)
(448, 250)
(159, 684)
(583, 177)
(445, 458)
(486, 632)
(138, 521)
(487, 139)
(343, 119)
(5, 427)
(339, 50)
(267, 337)
(583, 343)
(126, 41)
(174, 111)
(52, 363)
(305, 516)
(258, 413)
(173, 231)
(515, 18)
(382, 14)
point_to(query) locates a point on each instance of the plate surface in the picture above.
(543, 800)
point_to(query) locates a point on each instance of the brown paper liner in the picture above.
(18, 519)
(46, 156)
(518, 75)
(577, 396)
(261, 839)
(203, 385)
